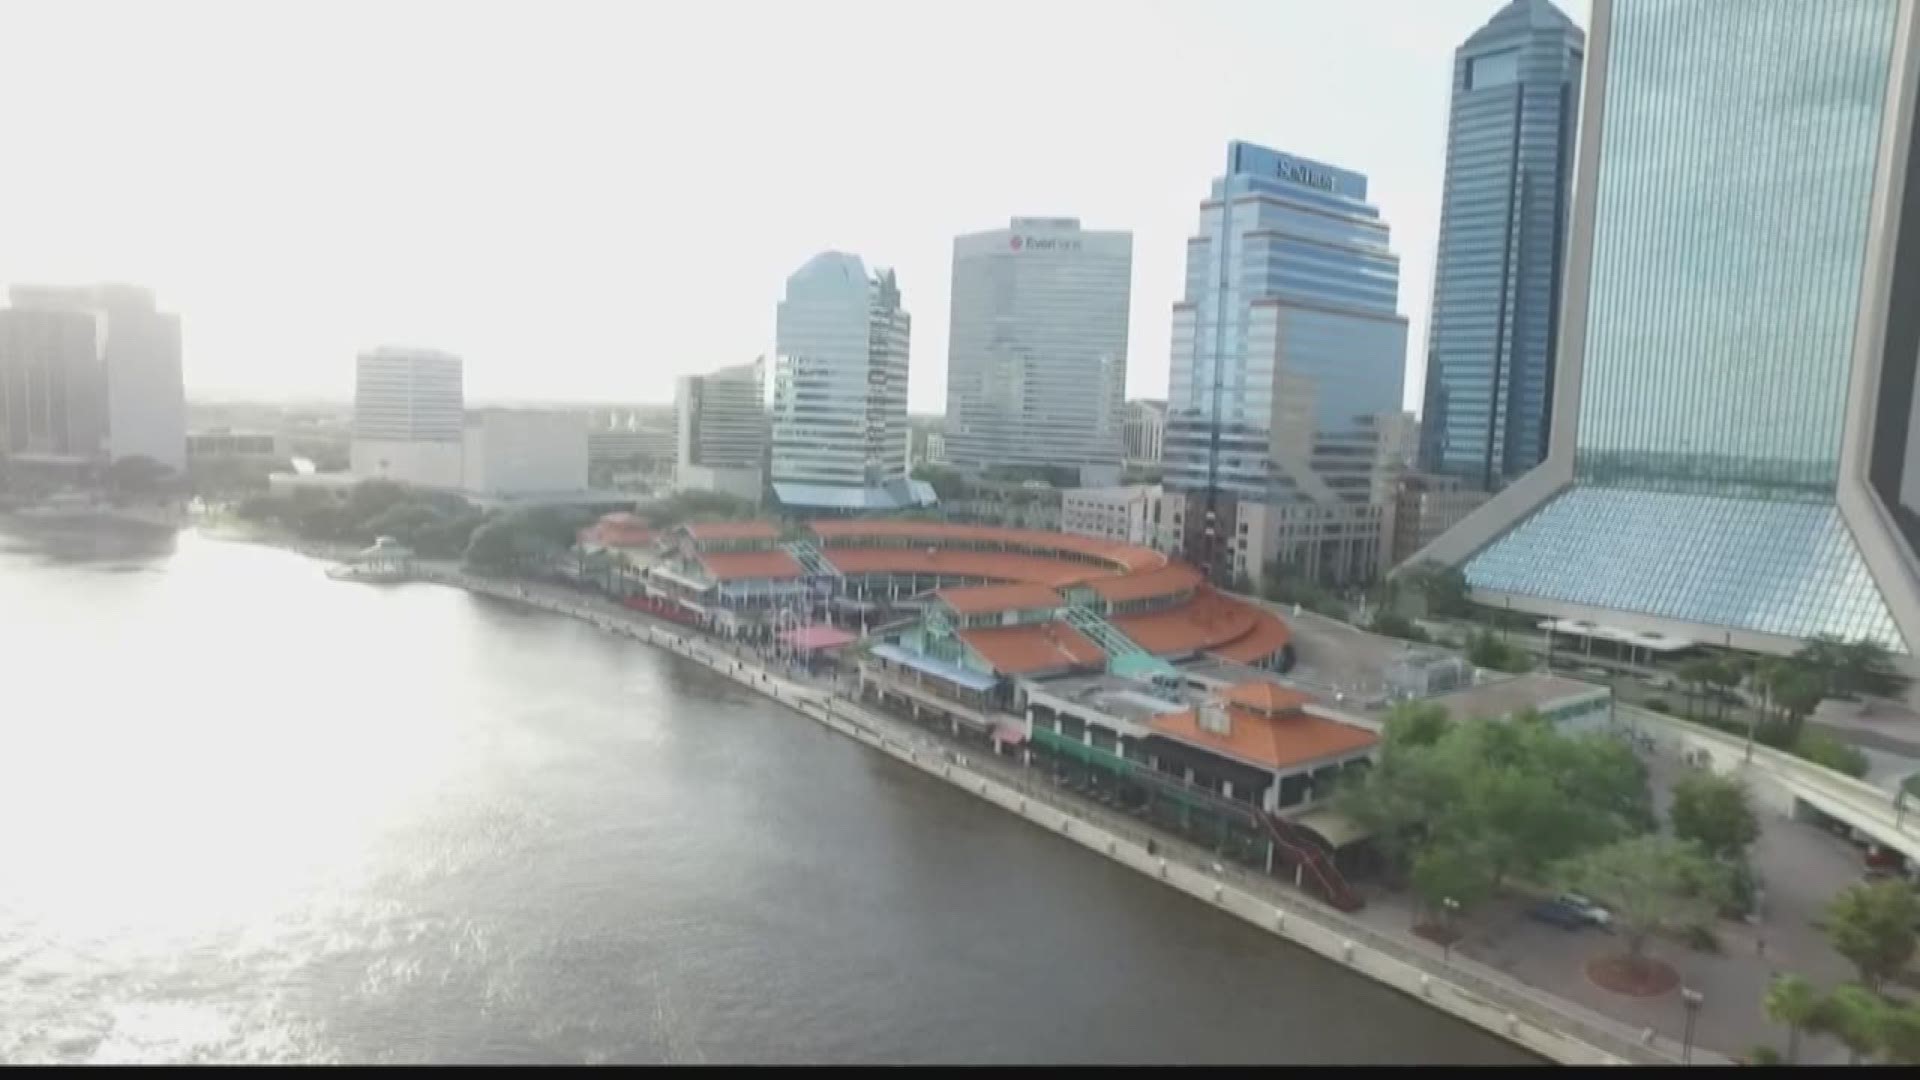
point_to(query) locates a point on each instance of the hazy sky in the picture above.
(585, 199)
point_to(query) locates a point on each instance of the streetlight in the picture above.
(1446, 932)
(1692, 999)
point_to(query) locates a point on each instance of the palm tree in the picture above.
(1851, 1013)
(1792, 1003)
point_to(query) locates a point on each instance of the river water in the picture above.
(251, 814)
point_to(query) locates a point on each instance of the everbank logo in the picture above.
(1014, 243)
(1042, 243)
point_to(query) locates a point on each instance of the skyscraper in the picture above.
(721, 432)
(1037, 347)
(1284, 431)
(408, 416)
(94, 371)
(1732, 456)
(1503, 219)
(840, 389)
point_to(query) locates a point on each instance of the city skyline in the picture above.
(402, 221)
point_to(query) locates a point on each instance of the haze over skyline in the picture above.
(587, 199)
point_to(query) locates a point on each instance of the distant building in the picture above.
(1503, 226)
(1037, 348)
(515, 453)
(224, 444)
(840, 390)
(1571, 706)
(1145, 432)
(408, 423)
(1427, 506)
(721, 432)
(1284, 432)
(1122, 514)
(91, 372)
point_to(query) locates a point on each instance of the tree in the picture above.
(1487, 651)
(1696, 676)
(1443, 587)
(1451, 872)
(1713, 811)
(1872, 925)
(1851, 1014)
(1899, 1034)
(1651, 883)
(1865, 667)
(1794, 1004)
(1392, 624)
(1416, 723)
(136, 474)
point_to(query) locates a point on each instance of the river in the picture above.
(250, 814)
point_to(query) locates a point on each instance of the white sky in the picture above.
(585, 199)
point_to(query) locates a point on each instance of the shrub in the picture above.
(1763, 1054)
(1831, 753)
(1656, 705)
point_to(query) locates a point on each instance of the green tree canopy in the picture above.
(1872, 925)
(1794, 1004)
(1853, 1015)
(1487, 650)
(1652, 884)
(1713, 810)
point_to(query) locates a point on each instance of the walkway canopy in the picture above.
(818, 638)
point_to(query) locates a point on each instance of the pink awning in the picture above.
(818, 638)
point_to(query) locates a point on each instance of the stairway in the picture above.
(1125, 657)
(811, 560)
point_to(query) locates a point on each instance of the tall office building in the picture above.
(1037, 348)
(721, 432)
(92, 372)
(1284, 434)
(840, 390)
(408, 421)
(1145, 431)
(1733, 458)
(1503, 220)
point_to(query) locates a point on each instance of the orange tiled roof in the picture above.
(1268, 636)
(991, 565)
(1169, 579)
(987, 599)
(1276, 742)
(738, 565)
(1207, 621)
(1122, 556)
(1023, 650)
(732, 530)
(1266, 697)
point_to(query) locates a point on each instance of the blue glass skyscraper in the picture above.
(1287, 349)
(1503, 219)
(1733, 457)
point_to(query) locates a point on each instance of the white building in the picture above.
(721, 432)
(840, 390)
(407, 417)
(116, 389)
(515, 453)
(1123, 514)
(1145, 432)
(1037, 347)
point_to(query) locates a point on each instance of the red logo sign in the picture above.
(1014, 243)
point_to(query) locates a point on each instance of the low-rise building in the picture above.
(512, 453)
(1571, 706)
(225, 444)
(1427, 506)
(1122, 514)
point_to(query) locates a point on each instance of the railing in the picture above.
(811, 560)
(1124, 655)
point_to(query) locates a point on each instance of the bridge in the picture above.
(1793, 785)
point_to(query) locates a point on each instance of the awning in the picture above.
(818, 638)
(1336, 828)
(1007, 733)
(927, 665)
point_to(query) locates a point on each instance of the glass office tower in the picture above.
(1731, 459)
(1503, 220)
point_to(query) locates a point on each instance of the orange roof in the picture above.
(1273, 741)
(992, 565)
(1268, 636)
(1266, 697)
(738, 565)
(1121, 556)
(618, 530)
(987, 599)
(1165, 581)
(1207, 621)
(732, 530)
(1022, 650)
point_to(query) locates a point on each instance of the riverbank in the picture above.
(1526, 1016)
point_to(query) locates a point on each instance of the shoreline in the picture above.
(1522, 1015)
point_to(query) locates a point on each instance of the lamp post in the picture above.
(1446, 932)
(1692, 999)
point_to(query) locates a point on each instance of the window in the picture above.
(1493, 69)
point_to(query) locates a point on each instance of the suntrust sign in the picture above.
(1042, 243)
(1289, 169)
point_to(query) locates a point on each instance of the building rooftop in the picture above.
(1033, 648)
(1495, 700)
(1264, 696)
(739, 565)
(1275, 742)
(988, 599)
(1171, 578)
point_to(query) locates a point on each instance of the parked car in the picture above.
(1558, 913)
(1591, 911)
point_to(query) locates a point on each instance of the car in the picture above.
(1591, 911)
(1558, 913)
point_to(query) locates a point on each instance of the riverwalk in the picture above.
(1558, 1030)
